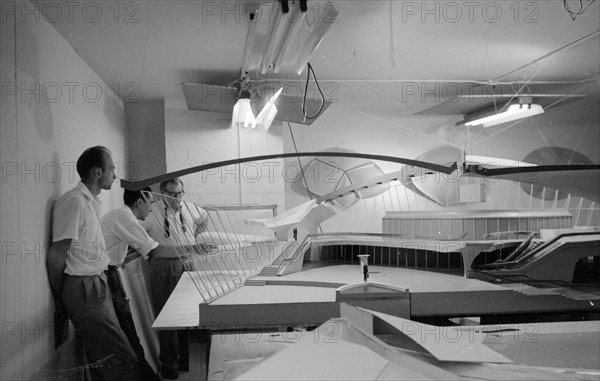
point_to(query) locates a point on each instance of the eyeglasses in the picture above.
(174, 194)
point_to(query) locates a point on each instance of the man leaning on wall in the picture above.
(76, 269)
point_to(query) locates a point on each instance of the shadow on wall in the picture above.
(44, 95)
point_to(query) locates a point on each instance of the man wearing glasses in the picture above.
(174, 223)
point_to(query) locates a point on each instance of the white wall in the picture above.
(146, 139)
(59, 108)
(195, 138)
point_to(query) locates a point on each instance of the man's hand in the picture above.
(60, 314)
(60, 311)
(61, 325)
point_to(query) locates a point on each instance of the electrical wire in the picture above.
(546, 56)
(300, 164)
(310, 70)
(580, 11)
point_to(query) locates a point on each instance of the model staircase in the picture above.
(255, 282)
(270, 270)
(285, 261)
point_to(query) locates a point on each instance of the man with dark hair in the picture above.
(122, 231)
(175, 222)
(76, 265)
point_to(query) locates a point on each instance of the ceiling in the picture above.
(385, 58)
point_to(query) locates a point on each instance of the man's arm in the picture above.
(55, 264)
(163, 251)
(200, 217)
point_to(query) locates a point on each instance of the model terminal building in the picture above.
(396, 189)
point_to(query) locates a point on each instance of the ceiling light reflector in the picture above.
(513, 112)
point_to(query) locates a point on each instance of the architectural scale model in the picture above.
(433, 295)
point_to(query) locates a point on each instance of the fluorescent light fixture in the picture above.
(513, 112)
(243, 115)
(495, 162)
(276, 39)
(279, 38)
(314, 32)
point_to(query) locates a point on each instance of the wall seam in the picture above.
(16, 126)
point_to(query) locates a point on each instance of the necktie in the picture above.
(168, 225)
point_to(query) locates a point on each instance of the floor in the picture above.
(197, 366)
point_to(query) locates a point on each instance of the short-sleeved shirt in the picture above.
(183, 224)
(76, 218)
(122, 229)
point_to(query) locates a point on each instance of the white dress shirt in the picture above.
(183, 224)
(122, 229)
(76, 218)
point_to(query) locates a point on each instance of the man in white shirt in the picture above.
(174, 222)
(76, 264)
(122, 230)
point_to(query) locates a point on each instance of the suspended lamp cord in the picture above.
(299, 162)
(301, 169)
(581, 10)
(310, 70)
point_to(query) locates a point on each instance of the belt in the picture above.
(166, 258)
(84, 276)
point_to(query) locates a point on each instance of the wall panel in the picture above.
(46, 124)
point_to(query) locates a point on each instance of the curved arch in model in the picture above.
(137, 185)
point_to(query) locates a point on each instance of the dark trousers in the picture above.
(123, 312)
(164, 277)
(89, 305)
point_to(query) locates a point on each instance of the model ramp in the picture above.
(447, 344)
(324, 354)
(305, 217)
(367, 345)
